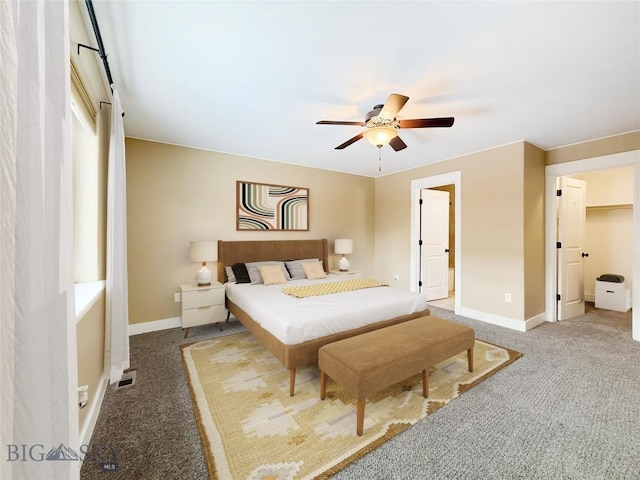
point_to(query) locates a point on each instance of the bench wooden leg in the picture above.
(292, 381)
(470, 359)
(360, 416)
(323, 384)
(425, 383)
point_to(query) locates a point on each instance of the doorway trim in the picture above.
(605, 162)
(451, 178)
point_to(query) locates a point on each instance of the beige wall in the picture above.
(609, 187)
(177, 194)
(502, 224)
(608, 240)
(534, 234)
(594, 148)
(90, 337)
(493, 248)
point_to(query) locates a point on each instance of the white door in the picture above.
(571, 254)
(435, 243)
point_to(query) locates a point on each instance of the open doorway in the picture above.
(437, 249)
(553, 269)
(450, 182)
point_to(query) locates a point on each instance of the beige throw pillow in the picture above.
(295, 268)
(272, 274)
(314, 270)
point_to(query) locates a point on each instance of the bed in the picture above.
(293, 352)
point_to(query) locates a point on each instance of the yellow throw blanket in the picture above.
(334, 287)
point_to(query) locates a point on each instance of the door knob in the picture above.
(446, 250)
(584, 254)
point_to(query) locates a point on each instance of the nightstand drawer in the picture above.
(203, 315)
(202, 298)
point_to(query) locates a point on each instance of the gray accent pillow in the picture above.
(295, 268)
(254, 272)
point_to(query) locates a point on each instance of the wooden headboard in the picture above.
(259, 251)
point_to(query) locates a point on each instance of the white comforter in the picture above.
(295, 320)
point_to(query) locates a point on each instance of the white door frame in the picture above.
(552, 172)
(418, 184)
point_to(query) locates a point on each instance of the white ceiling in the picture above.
(252, 78)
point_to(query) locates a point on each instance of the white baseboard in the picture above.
(156, 325)
(94, 410)
(533, 322)
(590, 297)
(513, 324)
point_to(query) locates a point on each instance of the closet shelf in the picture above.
(618, 206)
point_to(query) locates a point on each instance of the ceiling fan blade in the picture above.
(331, 122)
(397, 144)
(392, 106)
(349, 142)
(426, 122)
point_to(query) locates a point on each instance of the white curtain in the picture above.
(117, 310)
(38, 360)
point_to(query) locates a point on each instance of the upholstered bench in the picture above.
(368, 363)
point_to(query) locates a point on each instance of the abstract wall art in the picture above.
(271, 207)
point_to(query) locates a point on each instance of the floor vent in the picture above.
(128, 379)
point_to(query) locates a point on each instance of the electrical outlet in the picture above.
(507, 297)
(396, 277)
(176, 298)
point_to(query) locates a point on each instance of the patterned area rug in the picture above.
(251, 428)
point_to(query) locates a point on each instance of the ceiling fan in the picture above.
(382, 126)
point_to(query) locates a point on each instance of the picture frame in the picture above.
(269, 207)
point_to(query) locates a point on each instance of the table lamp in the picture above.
(343, 246)
(203, 251)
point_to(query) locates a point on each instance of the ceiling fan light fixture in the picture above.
(382, 126)
(380, 136)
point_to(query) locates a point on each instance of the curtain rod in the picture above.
(100, 49)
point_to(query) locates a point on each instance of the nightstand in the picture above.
(202, 305)
(348, 273)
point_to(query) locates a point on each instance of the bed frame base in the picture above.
(302, 354)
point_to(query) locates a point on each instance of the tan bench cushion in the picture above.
(370, 362)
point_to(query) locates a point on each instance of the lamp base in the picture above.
(343, 264)
(203, 277)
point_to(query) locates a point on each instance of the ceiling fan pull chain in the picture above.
(379, 159)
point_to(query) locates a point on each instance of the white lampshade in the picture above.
(343, 246)
(203, 251)
(380, 136)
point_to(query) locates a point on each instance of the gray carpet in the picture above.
(568, 409)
